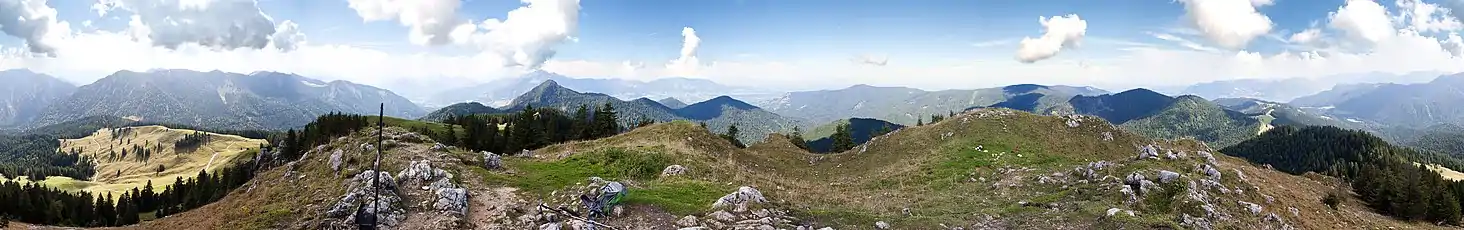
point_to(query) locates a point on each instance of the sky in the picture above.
(420, 46)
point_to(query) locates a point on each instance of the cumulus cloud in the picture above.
(527, 36)
(287, 36)
(1426, 17)
(1228, 23)
(1305, 36)
(687, 62)
(1454, 45)
(1060, 32)
(431, 22)
(1362, 21)
(32, 21)
(872, 60)
(218, 24)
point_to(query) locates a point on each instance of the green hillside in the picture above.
(1194, 117)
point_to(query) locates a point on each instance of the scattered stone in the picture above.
(1272, 217)
(687, 221)
(1112, 211)
(1165, 176)
(1209, 158)
(439, 147)
(673, 170)
(526, 153)
(1148, 152)
(367, 148)
(1072, 123)
(906, 211)
(740, 198)
(454, 201)
(722, 215)
(1255, 209)
(335, 160)
(492, 160)
(419, 171)
(360, 194)
(1240, 175)
(1269, 199)
(1294, 212)
(1209, 171)
(1107, 136)
(1195, 222)
(882, 225)
(1170, 155)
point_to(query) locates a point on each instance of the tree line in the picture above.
(1392, 180)
(37, 204)
(532, 128)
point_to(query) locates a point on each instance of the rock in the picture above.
(1294, 212)
(439, 147)
(906, 211)
(549, 226)
(526, 153)
(453, 201)
(420, 171)
(881, 225)
(368, 148)
(1269, 199)
(1170, 155)
(1133, 179)
(492, 160)
(1148, 152)
(335, 160)
(1209, 158)
(1209, 171)
(687, 221)
(673, 170)
(721, 215)
(1255, 209)
(1165, 176)
(1107, 136)
(382, 202)
(1072, 123)
(740, 198)
(1272, 217)
(1240, 175)
(1195, 222)
(1112, 211)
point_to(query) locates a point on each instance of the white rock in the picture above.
(335, 160)
(673, 170)
(882, 225)
(492, 160)
(687, 221)
(1165, 176)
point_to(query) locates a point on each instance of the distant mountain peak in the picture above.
(672, 102)
(1023, 88)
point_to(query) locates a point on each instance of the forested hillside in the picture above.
(1391, 179)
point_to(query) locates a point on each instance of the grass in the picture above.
(679, 197)
(543, 177)
(433, 127)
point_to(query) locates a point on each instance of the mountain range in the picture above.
(502, 92)
(905, 106)
(220, 100)
(25, 94)
(1288, 89)
(718, 113)
(1416, 105)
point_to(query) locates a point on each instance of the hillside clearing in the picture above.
(117, 173)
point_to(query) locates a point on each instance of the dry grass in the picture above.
(135, 173)
(1449, 174)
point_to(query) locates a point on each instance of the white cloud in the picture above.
(431, 22)
(1059, 32)
(32, 21)
(219, 24)
(686, 64)
(1184, 42)
(1228, 23)
(1426, 17)
(526, 37)
(1305, 36)
(1454, 45)
(1362, 21)
(872, 60)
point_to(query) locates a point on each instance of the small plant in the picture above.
(1332, 199)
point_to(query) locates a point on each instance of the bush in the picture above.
(1332, 200)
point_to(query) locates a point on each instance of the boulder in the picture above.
(687, 221)
(419, 171)
(1208, 170)
(1165, 176)
(739, 199)
(382, 201)
(1209, 158)
(673, 170)
(1255, 209)
(453, 201)
(1148, 152)
(1107, 136)
(492, 160)
(439, 147)
(335, 160)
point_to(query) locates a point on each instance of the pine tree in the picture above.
(797, 139)
(731, 136)
(579, 127)
(843, 138)
(149, 198)
(919, 122)
(607, 121)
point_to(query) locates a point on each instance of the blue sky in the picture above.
(804, 44)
